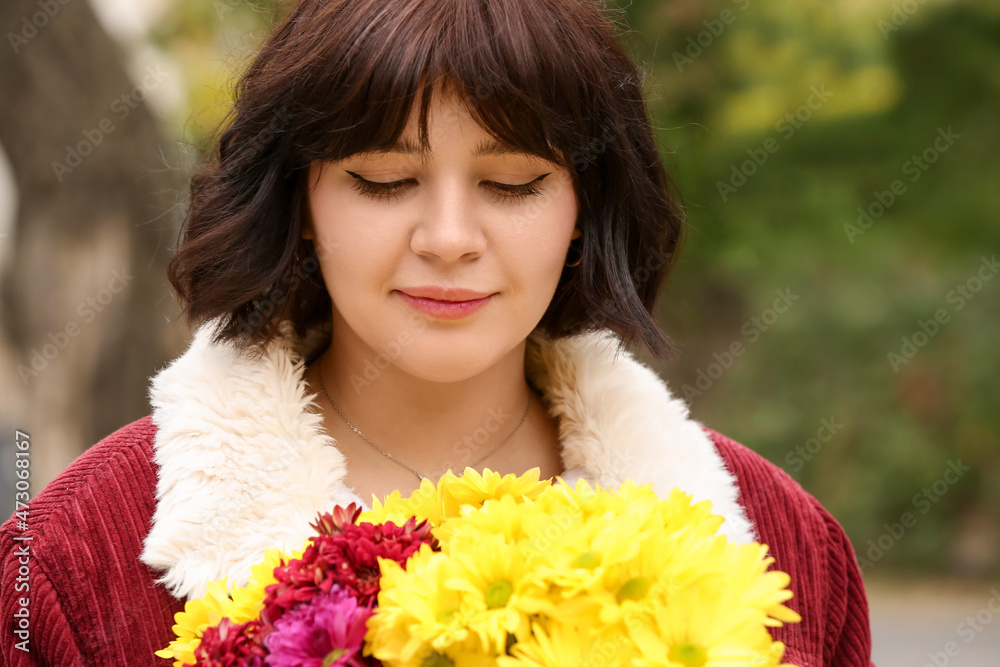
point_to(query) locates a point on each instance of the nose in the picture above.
(449, 223)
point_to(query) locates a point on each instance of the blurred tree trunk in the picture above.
(83, 291)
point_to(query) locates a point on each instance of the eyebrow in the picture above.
(485, 148)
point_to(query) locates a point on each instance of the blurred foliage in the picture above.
(892, 78)
(212, 42)
(722, 76)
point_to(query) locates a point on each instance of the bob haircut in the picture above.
(340, 77)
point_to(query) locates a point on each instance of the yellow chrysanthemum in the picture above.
(461, 654)
(191, 623)
(577, 553)
(499, 586)
(484, 589)
(718, 618)
(680, 576)
(239, 604)
(425, 503)
(437, 502)
(764, 590)
(516, 520)
(705, 629)
(678, 512)
(248, 601)
(563, 645)
(599, 501)
(474, 489)
(416, 613)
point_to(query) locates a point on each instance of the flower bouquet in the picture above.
(505, 571)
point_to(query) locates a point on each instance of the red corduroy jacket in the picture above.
(75, 592)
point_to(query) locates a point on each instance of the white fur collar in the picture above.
(244, 463)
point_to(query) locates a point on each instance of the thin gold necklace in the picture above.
(387, 454)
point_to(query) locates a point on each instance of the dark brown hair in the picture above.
(339, 77)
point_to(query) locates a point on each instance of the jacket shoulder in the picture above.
(756, 474)
(809, 544)
(91, 600)
(121, 459)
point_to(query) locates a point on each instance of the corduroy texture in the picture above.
(93, 602)
(808, 544)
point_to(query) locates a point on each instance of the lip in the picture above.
(459, 303)
(444, 293)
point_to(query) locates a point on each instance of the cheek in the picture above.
(537, 258)
(353, 244)
(556, 217)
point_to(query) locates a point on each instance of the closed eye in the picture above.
(393, 189)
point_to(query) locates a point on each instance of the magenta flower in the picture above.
(327, 632)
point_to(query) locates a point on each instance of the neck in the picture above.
(428, 424)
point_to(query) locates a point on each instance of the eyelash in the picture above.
(499, 191)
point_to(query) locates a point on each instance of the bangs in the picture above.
(511, 62)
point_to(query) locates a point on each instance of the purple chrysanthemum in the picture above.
(329, 631)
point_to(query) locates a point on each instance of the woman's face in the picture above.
(470, 216)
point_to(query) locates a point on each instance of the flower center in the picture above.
(688, 654)
(498, 594)
(438, 660)
(588, 560)
(634, 589)
(333, 656)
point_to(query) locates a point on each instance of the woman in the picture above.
(430, 228)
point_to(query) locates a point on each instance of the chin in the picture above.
(450, 366)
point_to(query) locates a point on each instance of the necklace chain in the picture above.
(387, 454)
